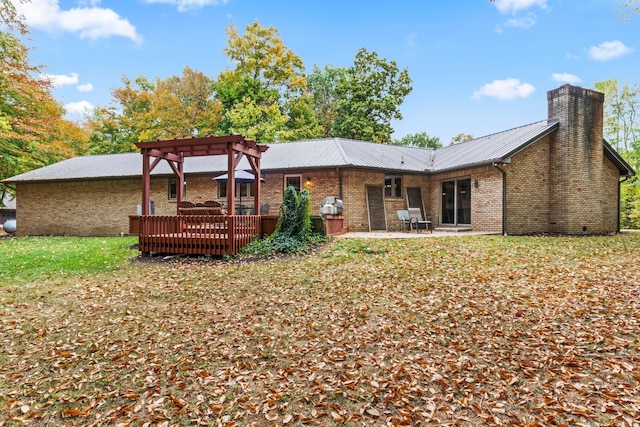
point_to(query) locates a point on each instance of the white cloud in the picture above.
(80, 108)
(566, 78)
(185, 5)
(90, 22)
(505, 89)
(513, 6)
(87, 87)
(58, 80)
(525, 23)
(609, 50)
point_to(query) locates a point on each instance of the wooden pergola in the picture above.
(177, 238)
(174, 151)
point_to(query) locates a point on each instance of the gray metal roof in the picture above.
(497, 147)
(313, 154)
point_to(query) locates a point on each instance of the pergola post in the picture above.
(146, 181)
(180, 189)
(256, 189)
(231, 180)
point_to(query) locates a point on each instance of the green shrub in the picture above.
(293, 234)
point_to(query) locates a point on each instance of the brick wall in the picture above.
(610, 197)
(81, 208)
(528, 191)
(486, 197)
(355, 197)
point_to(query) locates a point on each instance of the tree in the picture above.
(176, 107)
(420, 139)
(33, 131)
(370, 97)
(629, 8)
(621, 121)
(265, 95)
(182, 106)
(10, 17)
(260, 55)
(322, 84)
(260, 122)
(461, 137)
(116, 129)
(106, 135)
(622, 130)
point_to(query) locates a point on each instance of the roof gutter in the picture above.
(504, 196)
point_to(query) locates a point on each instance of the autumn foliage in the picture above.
(452, 331)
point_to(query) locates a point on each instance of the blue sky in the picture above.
(477, 67)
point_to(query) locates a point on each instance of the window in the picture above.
(294, 181)
(173, 190)
(242, 190)
(392, 186)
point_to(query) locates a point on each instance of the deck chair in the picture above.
(405, 219)
(417, 222)
(185, 205)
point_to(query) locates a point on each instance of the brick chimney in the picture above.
(576, 160)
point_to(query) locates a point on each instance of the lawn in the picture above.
(474, 330)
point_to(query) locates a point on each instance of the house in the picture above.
(557, 175)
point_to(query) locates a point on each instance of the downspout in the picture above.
(504, 197)
(339, 183)
(626, 178)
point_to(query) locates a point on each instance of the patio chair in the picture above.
(264, 209)
(405, 219)
(417, 222)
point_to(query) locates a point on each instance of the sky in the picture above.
(477, 67)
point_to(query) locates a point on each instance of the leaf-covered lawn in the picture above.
(487, 330)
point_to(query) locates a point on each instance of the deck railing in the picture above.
(196, 234)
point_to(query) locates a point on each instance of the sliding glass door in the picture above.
(456, 202)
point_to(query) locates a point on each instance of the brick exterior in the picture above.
(610, 197)
(82, 208)
(486, 198)
(562, 183)
(528, 191)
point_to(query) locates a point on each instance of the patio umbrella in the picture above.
(240, 177)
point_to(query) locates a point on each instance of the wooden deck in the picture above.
(197, 234)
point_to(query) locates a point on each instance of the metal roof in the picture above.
(317, 154)
(497, 147)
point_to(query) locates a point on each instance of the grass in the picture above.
(60, 258)
(475, 330)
